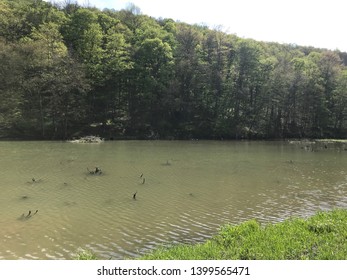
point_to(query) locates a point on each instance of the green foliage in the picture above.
(156, 78)
(85, 255)
(10, 88)
(322, 236)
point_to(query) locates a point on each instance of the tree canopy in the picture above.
(68, 70)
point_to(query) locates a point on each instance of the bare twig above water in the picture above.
(29, 215)
(167, 163)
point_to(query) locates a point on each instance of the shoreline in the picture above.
(318, 237)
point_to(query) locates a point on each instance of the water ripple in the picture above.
(185, 192)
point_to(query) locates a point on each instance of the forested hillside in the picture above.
(67, 70)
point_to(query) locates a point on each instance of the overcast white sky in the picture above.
(318, 23)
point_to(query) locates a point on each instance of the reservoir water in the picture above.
(185, 191)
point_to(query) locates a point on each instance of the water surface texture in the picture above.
(185, 190)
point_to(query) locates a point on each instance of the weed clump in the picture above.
(322, 236)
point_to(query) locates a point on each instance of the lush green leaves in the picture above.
(322, 236)
(64, 68)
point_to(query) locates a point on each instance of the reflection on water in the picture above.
(185, 192)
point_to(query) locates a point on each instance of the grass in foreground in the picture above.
(321, 237)
(85, 255)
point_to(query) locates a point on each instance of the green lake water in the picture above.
(185, 190)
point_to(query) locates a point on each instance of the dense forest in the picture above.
(68, 70)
